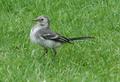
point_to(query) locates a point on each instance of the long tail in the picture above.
(81, 38)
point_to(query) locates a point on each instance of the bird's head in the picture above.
(42, 20)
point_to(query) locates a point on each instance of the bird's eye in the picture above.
(41, 19)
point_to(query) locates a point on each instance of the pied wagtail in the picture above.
(42, 34)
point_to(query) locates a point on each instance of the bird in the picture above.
(42, 34)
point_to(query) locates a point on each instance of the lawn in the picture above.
(96, 60)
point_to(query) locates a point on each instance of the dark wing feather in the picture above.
(49, 35)
(56, 37)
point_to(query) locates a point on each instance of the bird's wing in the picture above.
(55, 37)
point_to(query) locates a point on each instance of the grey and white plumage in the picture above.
(42, 34)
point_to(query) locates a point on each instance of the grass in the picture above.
(95, 60)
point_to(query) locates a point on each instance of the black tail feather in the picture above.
(81, 38)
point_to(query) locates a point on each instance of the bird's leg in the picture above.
(45, 51)
(54, 51)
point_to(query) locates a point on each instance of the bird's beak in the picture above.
(35, 20)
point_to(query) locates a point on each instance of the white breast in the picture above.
(32, 35)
